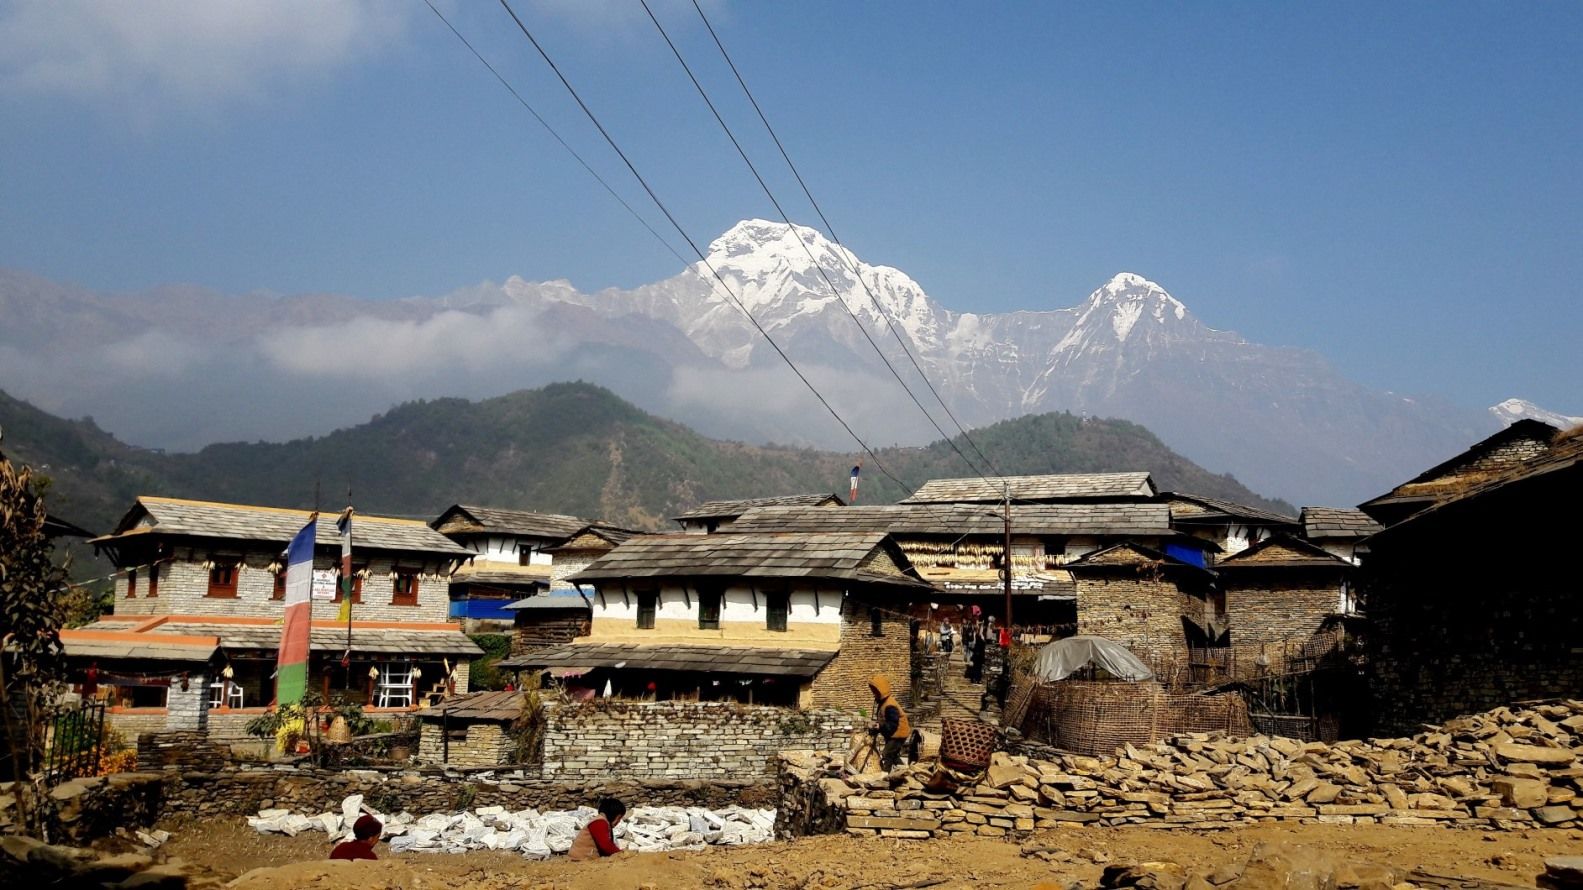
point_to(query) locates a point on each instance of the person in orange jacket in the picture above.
(890, 721)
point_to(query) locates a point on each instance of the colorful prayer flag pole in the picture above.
(852, 495)
(348, 584)
(291, 661)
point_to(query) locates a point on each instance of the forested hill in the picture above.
(566, 448)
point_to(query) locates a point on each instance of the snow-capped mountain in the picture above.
(1282, 420)
(1513, 410)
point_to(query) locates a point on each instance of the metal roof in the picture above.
(832, 556)
(730, 508)
(703, 659)
(461, 519)
(1320, 523)
(274, 525)
(1053, 487)
(1133, 519)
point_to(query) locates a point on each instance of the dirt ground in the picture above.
(229, 849)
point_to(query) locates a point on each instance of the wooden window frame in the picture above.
(279, 592)
(777, 604)
(410, 597)
(648, 602)
(707, 597)
(224, 591)
(357, 585)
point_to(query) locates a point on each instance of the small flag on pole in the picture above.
(291, 661)
(852, 496)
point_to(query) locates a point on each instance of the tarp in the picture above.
(1062, 658)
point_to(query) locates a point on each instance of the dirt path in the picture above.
(228, 848)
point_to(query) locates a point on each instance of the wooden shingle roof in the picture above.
(1323, 523)
(1134, 519)
(461, 519)
(728, 509)
(839, 556)
(1055, 487)
(274, 525)
(654, 657)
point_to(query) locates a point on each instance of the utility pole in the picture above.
(1006, 560)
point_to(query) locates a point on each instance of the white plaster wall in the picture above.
(736, 606)
(508, 549)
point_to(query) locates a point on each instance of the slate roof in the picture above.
(612, 534)
(1480, 462)
(141, 638)
(493, 705)
(275, 525)
(1055, 487)
(830, 556)
(502, 575)
(731, 508)
(1136, 519)
(1216, 509)
(461, 519)
(1127, 554)
(550, 602)
(704, 659)
(1321, 523)
(1283, 551)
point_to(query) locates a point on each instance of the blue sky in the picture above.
(1394, 185)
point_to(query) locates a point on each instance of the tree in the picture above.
(32, 661)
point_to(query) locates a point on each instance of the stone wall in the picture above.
(475, 744)
(133, 723)
(844, 681)
(180, 750)
(683, 740)
(1274, 611)
(1503, 770)
(1139, 611)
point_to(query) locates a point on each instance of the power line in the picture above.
(704, 94)
(842, 251)
(702, 257)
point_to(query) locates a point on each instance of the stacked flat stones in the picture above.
(1504, 769)
(533, 834)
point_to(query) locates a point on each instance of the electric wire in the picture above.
(702, 257)
(841, 249)
(834, 291)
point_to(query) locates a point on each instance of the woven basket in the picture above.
(967, 743)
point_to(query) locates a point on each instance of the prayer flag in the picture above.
(291, 662)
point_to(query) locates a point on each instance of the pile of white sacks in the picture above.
(533, 834)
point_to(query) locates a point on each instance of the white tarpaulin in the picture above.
(1062, 658)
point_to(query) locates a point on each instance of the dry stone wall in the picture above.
(684, 740)
(844, 681)
(1504, 769)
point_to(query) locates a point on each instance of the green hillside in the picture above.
(566, 448)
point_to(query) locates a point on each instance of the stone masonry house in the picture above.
(1485, 460)
(470, 730)
(1230, 526)
(1285, 599)
(780, 618)
(1475, 602)
(1156, 605)
(199, 596)
(512, 558)
(712, 516)
(1339, 530)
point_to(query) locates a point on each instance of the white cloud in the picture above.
(188, 51)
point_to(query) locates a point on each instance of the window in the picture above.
(404, 590)
(357, 584)
(225, 694)
(280, 585)
(525, 555)
(140, 696)
(1217, 601)
(131, 584)
(395, 686)
(646, 608)
(222, 579)
(876, 623)
(708, 610)
(777, 607)
(153, 581)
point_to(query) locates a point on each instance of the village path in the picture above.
(228, 849)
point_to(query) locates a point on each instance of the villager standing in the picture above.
(890, 721)
(975, 665)
(598, 837)
(365, 836)
(969, 637)
(947, 638)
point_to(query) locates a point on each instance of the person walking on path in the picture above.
(890, 722)
(947, 638)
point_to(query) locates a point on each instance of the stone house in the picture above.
(512, 559)
(549, 620)
(199, 594)
(1228, 525)
(582, 547)
(713, 516)
(1285, 599)
(1160, 607)
(1339, 530)
(1522, 441)
(1471, 601)
(782, 618)
(471, 730)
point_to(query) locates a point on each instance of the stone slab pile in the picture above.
(25, 862)
(534, 834)
(1503, 769)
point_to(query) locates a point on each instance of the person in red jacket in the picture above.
(365, 832)
(598, 837)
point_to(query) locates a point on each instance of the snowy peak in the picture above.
(1513, 410)
(1125, 300)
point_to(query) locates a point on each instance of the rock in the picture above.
(1144, 876)
(111, 869)
(1562, 873)
(1519, 792)
(1554, 815)
(1520, 753)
